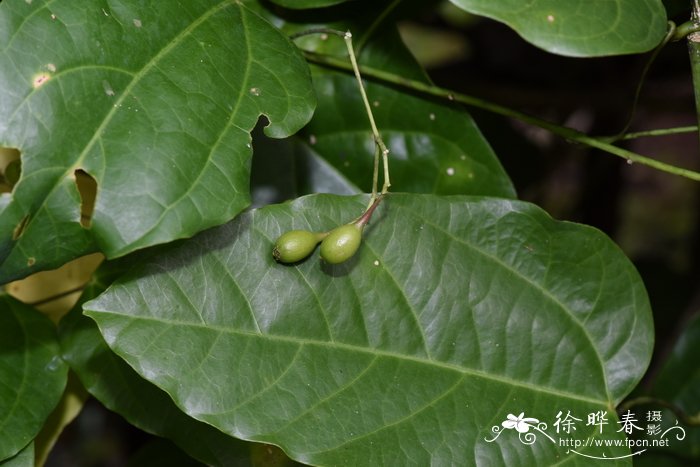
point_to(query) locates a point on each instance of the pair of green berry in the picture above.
(337, 246)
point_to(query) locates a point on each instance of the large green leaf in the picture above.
(579, 28)
(32, 374)
(114, 383)
(456, 312)
(155, 101)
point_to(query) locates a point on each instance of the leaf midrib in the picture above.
(339, 346)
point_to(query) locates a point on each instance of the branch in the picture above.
(565, 132)
(660, 132)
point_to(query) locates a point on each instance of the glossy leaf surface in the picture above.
(579, 28)
(116, 385)
(434, 147)
(25, 458)
(163, 129)
(390, 355)
(32, 374)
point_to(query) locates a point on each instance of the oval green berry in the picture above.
(295, 245)
(341, 244)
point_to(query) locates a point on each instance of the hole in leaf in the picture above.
(21, 227)
(40, 79)
(87, 187)
(10, 168)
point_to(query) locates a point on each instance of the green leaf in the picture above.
(114, 383)
(456, 312)
(32, 374)
(579, 28)
(284, 169)
(435, 148)
(678, 383)
(25, 458)
(154, 101)
(679, 380)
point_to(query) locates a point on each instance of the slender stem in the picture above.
(642, 78)
(375, 173)
(686, 419)
(659, 132)
(565, 132)
(375, 132)
(380, 146)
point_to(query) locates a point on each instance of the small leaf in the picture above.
(579, 28)
(455, 312)
(154, 102)
(32, 374)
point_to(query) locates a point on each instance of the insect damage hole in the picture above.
(87, 188)
(20, 228)
(40, 79)
(10, 168)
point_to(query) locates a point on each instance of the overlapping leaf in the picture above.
(435, 147)
(678, 383)
(25, 458)
(32, 374)
(154, 101)
(580, 28)
(391, 356)
(109, 379)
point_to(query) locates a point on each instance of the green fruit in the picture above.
(295, 245)
(342, 243)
